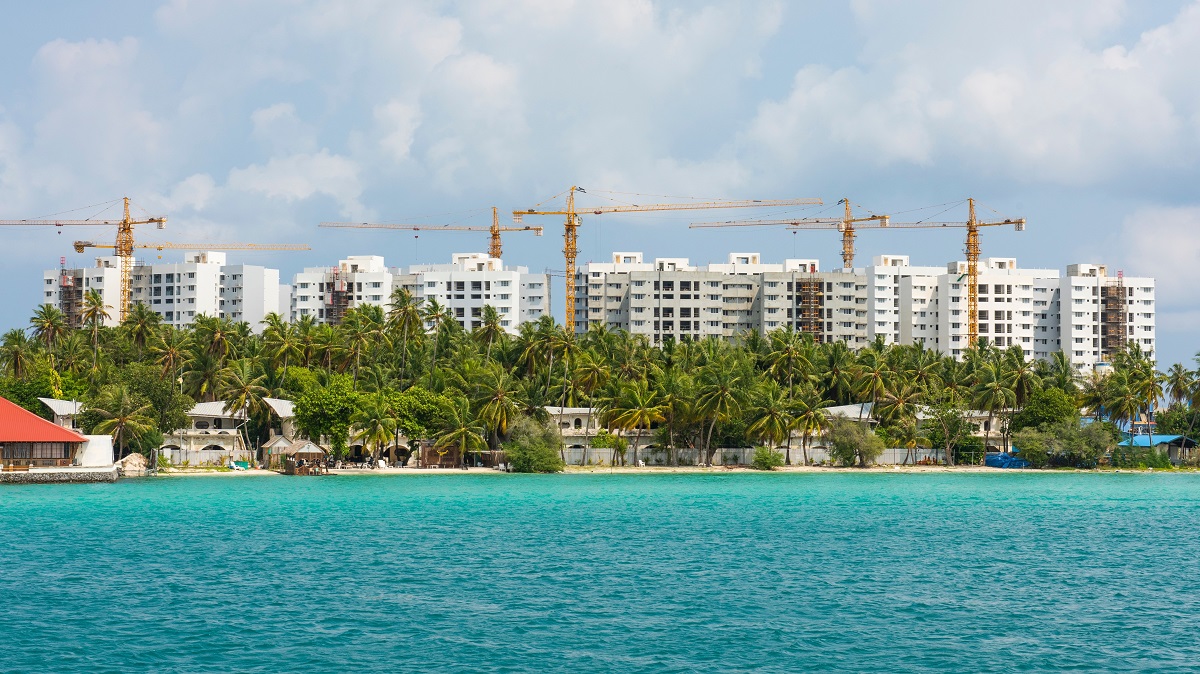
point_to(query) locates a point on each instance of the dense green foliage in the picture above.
(533, 448)
(1047, 407)
(766, 458)
(852, 444)
(412, 370)
(1065, 443)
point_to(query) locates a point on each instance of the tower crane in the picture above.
(845, 225)
(80, 246)
(574, 220)
(124, 245)
(494, 248)
(972, 226)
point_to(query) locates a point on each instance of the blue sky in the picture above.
(254, 121)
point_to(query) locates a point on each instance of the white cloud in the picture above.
(397, 124)
(280, 131)
(301, 176)
(194, 193)
(1049, 102)
(1163, 242)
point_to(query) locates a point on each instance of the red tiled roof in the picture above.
(18, 424)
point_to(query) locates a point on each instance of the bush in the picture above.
(766, 459)
(852, 443)
(1124, 456)
(533, 448)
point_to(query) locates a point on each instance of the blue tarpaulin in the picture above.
(1003, 460)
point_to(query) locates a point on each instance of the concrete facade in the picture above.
(1086, 313)
(202, 284)
(464, 286)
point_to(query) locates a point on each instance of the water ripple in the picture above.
(872, 572)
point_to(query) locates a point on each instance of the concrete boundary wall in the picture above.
(60, 476)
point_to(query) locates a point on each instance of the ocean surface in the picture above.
(597, 573)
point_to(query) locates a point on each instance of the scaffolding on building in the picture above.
(1114, 317)
(70, 295)
(338, 293)
(810, 303)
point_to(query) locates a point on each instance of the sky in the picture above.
(248, 121)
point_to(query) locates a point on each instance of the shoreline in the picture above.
(687, 470)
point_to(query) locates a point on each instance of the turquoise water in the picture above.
(738, 572)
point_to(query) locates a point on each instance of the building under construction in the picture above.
(1114, 316)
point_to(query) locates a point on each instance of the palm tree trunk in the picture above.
(708, 452)
(635, 447)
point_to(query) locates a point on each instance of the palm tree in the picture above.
(770, 420)
(94, 313)
(124, 418)
(490, 331)
(900, 402)
(71, 353)
(49, 325)
(499, 402)
(404, 318)
(838, 367)
(241, 386)
(675, 386)
(590, 375)
(142, 325)
(873, 376)
(1180, 383)
(202, 375)
(436, 316)
(171, 351)
(461, 430)
(910, 438)
(993, 394)
(637, 407)
(721, 396)
(376, 423)
(808, 416)
(1020, 375)
(17, 352)
(789, 357)
(1122, 399)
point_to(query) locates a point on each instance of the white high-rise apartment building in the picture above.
(1101, 313)
(1087, 313)
(464, 286)
(326, 293)
(203, 284)
(64, 288)
(672, 299)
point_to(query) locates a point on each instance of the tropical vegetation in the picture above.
(411, 369)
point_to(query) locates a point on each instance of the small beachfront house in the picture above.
(214, 437)
(27, 440)
(1178, 448)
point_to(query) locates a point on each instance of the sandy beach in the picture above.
(657, 470)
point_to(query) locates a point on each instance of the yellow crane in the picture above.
(845, 225)
(494, 231)
(124, 245)
(574, 220)
(80, 246)
(972, 226)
